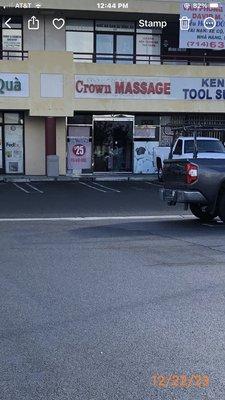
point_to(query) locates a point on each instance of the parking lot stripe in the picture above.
(108, 218)
(92, 187)
(19, 187)
(106, 187)
(33, 187)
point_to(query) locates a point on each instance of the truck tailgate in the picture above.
(174, 173)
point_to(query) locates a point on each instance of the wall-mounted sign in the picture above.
(145, 132)
(14, 85)
(11, 39)
(115, 26)
(201, 26)
(78, 153)
(148, 45)
(149, 88)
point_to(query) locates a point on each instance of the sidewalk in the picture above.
(117, 177)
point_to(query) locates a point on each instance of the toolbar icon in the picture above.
(209, 23)
(58, 23)
(33, 24)
(7, 23)
(184, 23)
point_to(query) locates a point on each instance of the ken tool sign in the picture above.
(202, 26)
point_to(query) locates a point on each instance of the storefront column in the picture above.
(50, 136)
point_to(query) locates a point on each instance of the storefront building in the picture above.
(98, 88)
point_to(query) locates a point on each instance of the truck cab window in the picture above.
(178, 149)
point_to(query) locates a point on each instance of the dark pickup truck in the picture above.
(198, 183)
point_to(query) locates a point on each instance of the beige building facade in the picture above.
(99, 91)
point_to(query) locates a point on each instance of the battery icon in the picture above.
(214, 5)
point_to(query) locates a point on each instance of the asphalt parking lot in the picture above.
(65, 199)
(94, 307)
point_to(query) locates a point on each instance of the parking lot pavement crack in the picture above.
(161, 235)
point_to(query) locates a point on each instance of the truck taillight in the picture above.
(191, 173)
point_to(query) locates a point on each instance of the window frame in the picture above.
(133, 57)
(175, 152)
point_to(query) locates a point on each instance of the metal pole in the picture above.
(195, 150)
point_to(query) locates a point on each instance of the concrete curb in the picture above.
(91, 178)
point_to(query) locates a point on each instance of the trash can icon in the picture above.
(184, 23)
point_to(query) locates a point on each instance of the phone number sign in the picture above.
(202, 27)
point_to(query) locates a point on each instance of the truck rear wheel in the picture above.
(221, 208)
(201, 212)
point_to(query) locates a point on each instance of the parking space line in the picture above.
(19, 187)
(153, 184)
(33, 187)
(106, 218)
(106, 187)
(92, 187)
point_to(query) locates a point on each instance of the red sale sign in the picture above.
(79, 150)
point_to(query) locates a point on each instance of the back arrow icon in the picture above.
(7, 23)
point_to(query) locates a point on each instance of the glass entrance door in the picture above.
(11, 143)
(113, 144)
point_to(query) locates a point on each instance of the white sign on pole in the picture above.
(202, 26)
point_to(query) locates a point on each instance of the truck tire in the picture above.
(221, 208)
(201, 212)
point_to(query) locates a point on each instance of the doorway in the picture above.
(113, 143)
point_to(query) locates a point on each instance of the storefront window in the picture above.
(147, 119)
(13, 149)
(11, 143)
(124, 49)
(80, 39)
(79, 131)
(102, 41)
(148, 46)
(85, 119)
(80, 25)
(80, 43)
(104, 48)
(13, 118)
(121, 42)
